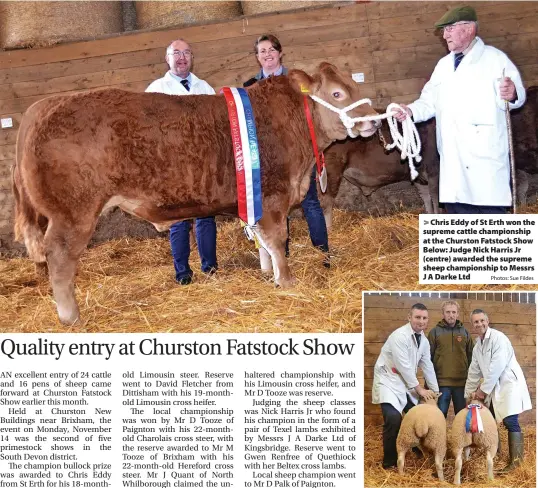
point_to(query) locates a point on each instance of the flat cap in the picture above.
(457, 15)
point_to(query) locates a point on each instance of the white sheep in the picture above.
(460, 439)
(423, 426)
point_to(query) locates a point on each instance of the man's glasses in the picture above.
(177, 54)
(450, 28)
(271, 50)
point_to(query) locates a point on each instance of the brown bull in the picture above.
(367, 165)
(164, 158)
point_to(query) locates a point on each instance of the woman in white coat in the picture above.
(494, 360)
(395, 386)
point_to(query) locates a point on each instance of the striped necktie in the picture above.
(457, 60)
(185, 83)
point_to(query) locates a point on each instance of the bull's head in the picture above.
(338, 90)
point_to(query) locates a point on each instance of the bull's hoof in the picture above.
(70, 321)
(69, 317)
(284, 284)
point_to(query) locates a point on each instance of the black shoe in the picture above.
(389, 464)
(327, 261)
(186, 280)
(211, 271)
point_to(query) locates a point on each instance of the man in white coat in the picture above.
(466, 94)
(180, 81)
(395, 386)
(504, 385)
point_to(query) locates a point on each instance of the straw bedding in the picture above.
(419, 472)
(128, 285)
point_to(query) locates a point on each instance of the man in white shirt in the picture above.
(466, 94)
(180, 81)
(396, 387)
(504, 385)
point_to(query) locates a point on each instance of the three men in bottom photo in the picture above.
(474, 354)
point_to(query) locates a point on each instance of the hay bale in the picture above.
(253, 7)
(42, 24)
(171, 14)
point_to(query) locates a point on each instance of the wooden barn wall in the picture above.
(392, 43)
(384, 314)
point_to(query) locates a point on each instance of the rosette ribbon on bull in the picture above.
(246, 154)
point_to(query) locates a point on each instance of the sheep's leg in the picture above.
(439, 456)
(489, 462)
(457, 466)
(467, 452)
(401, 461)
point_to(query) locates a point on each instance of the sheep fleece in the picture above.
(424, 425)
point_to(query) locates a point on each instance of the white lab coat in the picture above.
(170, 86)
(472, 137)
(495, 361)
(395, 371)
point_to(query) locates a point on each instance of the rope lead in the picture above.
(407, 142)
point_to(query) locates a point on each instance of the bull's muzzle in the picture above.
(367, 126)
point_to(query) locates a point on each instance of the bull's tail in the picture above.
(29, 225)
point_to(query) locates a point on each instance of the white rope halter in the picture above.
(408, 142)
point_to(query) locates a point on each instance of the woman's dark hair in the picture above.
(272, 39)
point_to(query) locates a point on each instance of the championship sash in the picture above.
(473, 421)
(246, 154)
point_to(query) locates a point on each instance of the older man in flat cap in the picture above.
(466, 94)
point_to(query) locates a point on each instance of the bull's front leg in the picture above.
(272, 233)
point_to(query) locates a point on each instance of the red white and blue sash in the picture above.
(473, 421)
(246, 154)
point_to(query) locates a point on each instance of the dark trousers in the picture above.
(457, 393)
(511, 422)
(392, 419)
(466, 208)
(314, 218)
(206, 238)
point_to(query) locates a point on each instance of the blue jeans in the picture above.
(467, 208)
(314, 218)
(458, 398)
(511, 422)
(206, 238)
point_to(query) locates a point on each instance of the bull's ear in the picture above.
(327, 67)
(301, 81)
